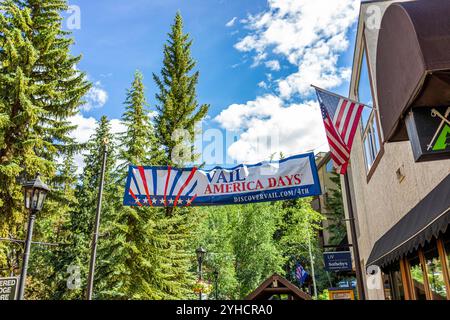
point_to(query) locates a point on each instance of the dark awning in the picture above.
(426, 220)
(413, 61)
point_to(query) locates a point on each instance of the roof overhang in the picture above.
(274, 285)
(428, 219)
(413, 61)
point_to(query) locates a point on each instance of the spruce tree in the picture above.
(40, 88)
(133, 262)
(138, 144)
(83, 215)
(177, 106)
(334, 204)
(178, 111)
(47, 271)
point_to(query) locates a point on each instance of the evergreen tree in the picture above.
(83, 215)
(177, 107)
(133, 260)
(40, 88)
(138, 144)
(336, 227)
(47, 272)
(178, 114)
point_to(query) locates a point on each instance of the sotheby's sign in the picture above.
(290, 178)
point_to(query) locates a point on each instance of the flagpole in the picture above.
(355, 246)
(341, 97)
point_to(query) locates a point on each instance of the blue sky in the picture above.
(251, 55)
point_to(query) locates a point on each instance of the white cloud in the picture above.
(231, 22)
(271, 127)
(85, 130)
(117, 126)
(95, 98)
(273, 65)
(310, 35)
(262, 84)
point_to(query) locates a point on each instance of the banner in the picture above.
(290, 178)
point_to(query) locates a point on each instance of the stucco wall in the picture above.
(381, 202)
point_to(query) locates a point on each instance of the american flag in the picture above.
(341, 117)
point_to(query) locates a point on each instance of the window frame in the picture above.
(445, 265)
(405, 270)
(374, 114)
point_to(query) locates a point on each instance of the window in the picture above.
(371, 140)
(435, 273)
(394, 289)
(446, 244)
(369, 124)
(329, 167)
(417, 278)
(365, 90)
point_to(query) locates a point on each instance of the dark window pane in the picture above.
(394, 289)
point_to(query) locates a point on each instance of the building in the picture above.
(399, 188)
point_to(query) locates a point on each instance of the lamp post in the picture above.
(201, 252)
(216, 283)
(35, 192)
(90, 284)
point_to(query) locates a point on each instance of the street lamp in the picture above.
(35, 192)
(216, 283)
(201, 252)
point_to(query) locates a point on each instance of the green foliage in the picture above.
(177, 107)
(249, 243)
(138, 144)
(143, 253)
(40, 88)
(336, 228)
(324, 295)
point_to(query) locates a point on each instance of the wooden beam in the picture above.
(426, 283)
(277, 290)
(444, 262)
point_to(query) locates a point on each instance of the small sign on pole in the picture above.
(338, 261)
(8, 288)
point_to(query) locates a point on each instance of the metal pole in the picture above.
(216, 276)
(200, 276)
(90, 284)
(359, 276)
(311, 258)
(26, 255)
